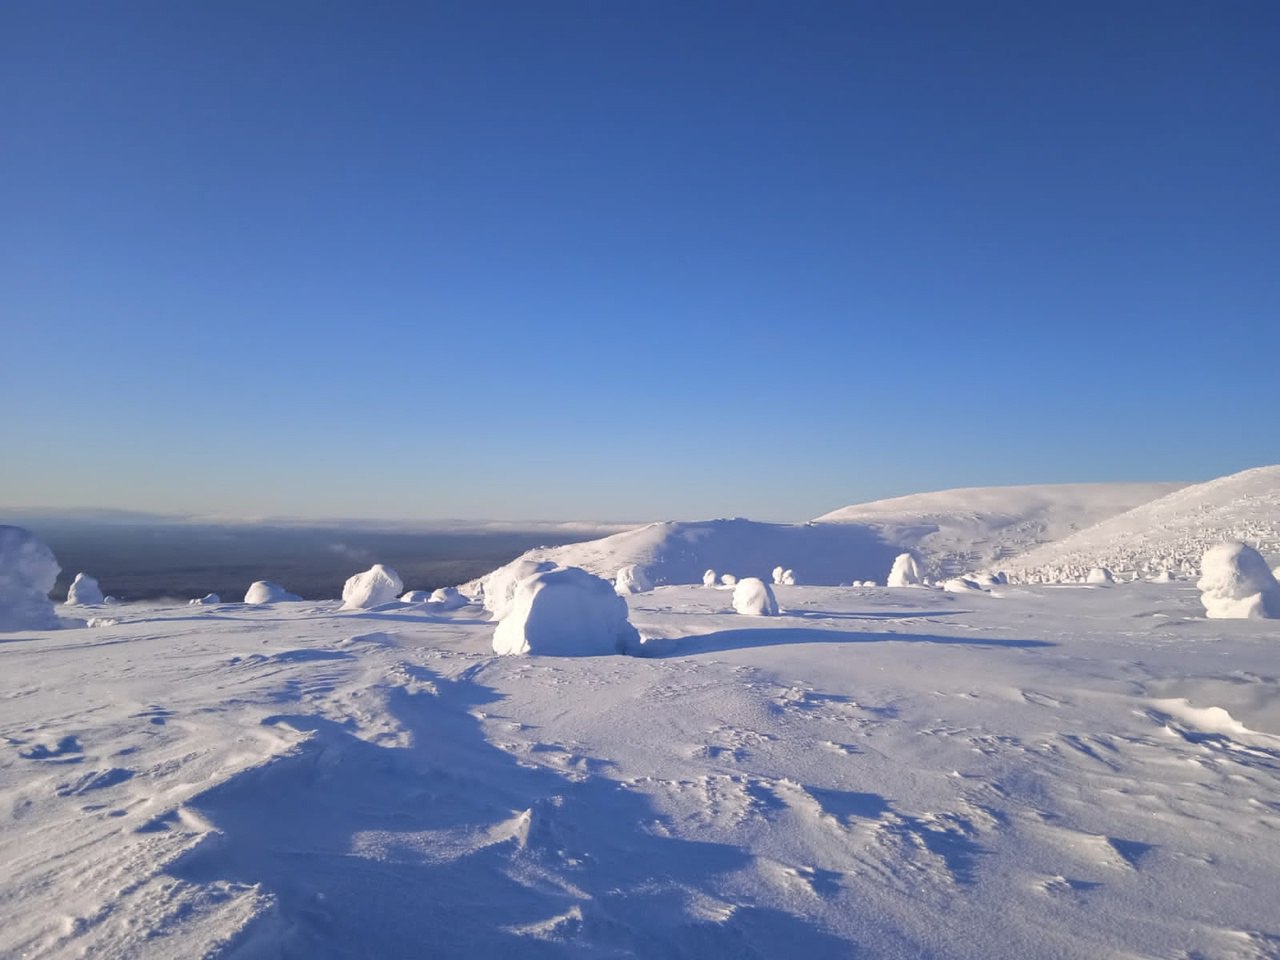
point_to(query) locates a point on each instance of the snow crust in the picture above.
(265, 591)
(905, 572)
(84, 591)
(753, 597)
(371, 588)
(28, 571)
(565, 612)
(1236, 584)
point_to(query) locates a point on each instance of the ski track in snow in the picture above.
(885, 773)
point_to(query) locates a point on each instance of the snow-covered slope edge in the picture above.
(951, 532)
(1170, 533)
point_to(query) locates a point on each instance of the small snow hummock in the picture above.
(1100, 577)
(754, 598)
(27, 574)
(1236, 584)
(208, 600)
(372, 588)
(631, 579)
(961, 585)
(84, 591)
(565, 612)
(449, 598)
(500, 586)
(905, 572)
(709, 578)
(729, 580)
(415, 596)
(264, 591)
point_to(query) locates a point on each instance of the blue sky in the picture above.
(631, 260)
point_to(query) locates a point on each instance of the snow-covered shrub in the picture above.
(208, 600)
(631, 579)
(788, 578)
(372, 588)
(905, 572)
(729, 580)
(777, 575)
(1100, 577)
(754, 598)
(264, 591)
(564, 612)
(500, 586)
(84, 591)
(27, 573)
(1236, 584)
(449, 598)
(709, 578)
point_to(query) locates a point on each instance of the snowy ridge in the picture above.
(951, 532)
(1171, 533)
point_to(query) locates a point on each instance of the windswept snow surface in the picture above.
(1039, 772)
(1171, 533)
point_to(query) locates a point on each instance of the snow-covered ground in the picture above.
(1041, 771)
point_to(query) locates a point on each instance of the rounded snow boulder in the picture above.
(448, 598)
(415, 596)
(500, 586)
(777, 575)
(84, 591)
(631, 579)
(753, 597)
(709, 578)
(264, 591)
(565, 612)
(1236, 584)
(1100, 577)
(905, 572)
(788, 578)
(208, 600)
(961, 585)
(27, 574)
(372, 588)
(728, 579)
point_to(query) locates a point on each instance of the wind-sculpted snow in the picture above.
(28, 571)
(371, 588)
(564, 612)
(1076, 773)
(1171, 533)
(1236, 584)
(84, 591)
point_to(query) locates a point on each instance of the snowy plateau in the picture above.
(1039, 768)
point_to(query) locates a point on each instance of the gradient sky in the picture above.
(630, 260)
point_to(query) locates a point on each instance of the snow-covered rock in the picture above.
(728, 579)
(777, 575)
(371, 588)
(27, 574)
(905, 572)
(754, 598)
(84, 592)
(709, 578)
(1100, 577)
(264, 591)
(1236, 584)
(500, 585)
(564, 612)
(631, 579)
(448, 598)
(961, 585)
(208, 600)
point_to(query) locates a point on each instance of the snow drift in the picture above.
(84, 591)
(27, 574)
(372, 588)
(264, 591)
(564, 612)
(1237, 584)
(753, 597)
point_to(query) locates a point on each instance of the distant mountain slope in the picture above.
(951, 532)
(956, 531)
(1170, 533)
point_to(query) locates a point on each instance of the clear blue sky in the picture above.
(608, 259)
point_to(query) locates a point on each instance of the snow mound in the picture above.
(1171, 533)
(709, 578)
(1100, 577)
(1237, 584)
(499, 587)
(264, 591)
(754, 598)
(728, 579)
(631, 579)
(84, 591)
(415, 596)
(27, 574)
(372, 588)
(208, 600)
(449, 598)
(961, 585)
(905, 572)
(564, 612)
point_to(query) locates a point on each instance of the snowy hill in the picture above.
(1170, 533)
(952, 531)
